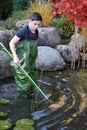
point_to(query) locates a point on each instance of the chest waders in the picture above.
(27, 53)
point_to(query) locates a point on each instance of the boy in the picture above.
(24, 50)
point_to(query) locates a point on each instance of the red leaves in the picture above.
(76, 10)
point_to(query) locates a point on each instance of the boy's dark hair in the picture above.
(36, 16)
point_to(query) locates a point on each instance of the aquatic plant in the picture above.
(4, 101)
(4, 125)
(2, 114)
(24, 124)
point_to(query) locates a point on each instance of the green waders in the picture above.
(27, 53)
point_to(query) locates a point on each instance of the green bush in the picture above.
(6, 7)
(65, 28)
(21, 4)
(63, 23)
(14, 17)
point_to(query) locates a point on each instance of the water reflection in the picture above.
(70, 103)
(68, 110)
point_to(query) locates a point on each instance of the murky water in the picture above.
(68, 110)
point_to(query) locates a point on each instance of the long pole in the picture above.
(39, 90)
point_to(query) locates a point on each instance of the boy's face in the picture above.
(34, 25)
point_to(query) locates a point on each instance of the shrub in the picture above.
(44, 9)
(63, 23)
(16, 15)
(21, 4)
(6, 7)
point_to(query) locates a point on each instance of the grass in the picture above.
(15, 16)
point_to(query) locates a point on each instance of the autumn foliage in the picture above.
(76, 10)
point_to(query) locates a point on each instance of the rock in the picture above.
(6, 36)
(21, 23)
(48, 37)
(79, 42)
(5, 69)
(68, 53)
(50, 59)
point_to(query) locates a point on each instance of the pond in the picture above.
(67, 110)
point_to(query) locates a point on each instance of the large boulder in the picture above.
(68, 53)
(5, 69)
(48, 37)
(6, 36)
(50, 59)
(78, 41)
(21, 23)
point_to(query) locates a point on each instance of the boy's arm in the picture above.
(12, 45)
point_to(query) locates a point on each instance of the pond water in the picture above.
(67, 110)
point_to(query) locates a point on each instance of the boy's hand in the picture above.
(37, 62)
(16, 60)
